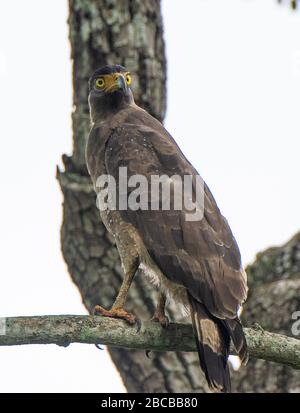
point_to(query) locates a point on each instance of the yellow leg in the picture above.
(117, 310)
(159, 315)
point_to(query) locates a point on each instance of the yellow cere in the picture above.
(109, 82)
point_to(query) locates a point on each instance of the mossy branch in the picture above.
(66, 329)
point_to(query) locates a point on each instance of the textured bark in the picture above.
(66, 329)
(274, 281)
(127, 32)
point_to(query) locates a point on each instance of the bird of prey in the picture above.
(196, 263)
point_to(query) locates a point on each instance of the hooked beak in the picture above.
(121, 82)
(118, 83)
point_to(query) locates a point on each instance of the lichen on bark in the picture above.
(128, 32)
(274, 280)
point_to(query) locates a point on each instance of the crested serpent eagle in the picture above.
(196, 263)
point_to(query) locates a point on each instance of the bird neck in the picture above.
(109, 105)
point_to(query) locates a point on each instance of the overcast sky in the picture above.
(233, 107)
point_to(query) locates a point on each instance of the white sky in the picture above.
(233, 106)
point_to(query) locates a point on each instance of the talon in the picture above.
(138, 324)
(115, 313)
(99, 347)
(161, 319)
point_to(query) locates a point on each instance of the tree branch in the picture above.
(66, 329)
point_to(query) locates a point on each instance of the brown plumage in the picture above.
(197, 263)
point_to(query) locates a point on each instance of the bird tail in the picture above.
(238, 338)
(213, 342)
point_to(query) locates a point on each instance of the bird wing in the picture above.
(203, 256)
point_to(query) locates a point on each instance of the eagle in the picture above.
(197, 263)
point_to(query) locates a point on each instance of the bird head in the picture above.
(109, 91)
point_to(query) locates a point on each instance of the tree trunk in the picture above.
(127, 32)
(130, 32)
(274, 286)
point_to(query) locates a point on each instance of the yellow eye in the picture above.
(128, 79)
(100, 83)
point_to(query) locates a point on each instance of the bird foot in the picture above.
(115, 312)
(162, 319)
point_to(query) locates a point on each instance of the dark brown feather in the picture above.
(202, 256)
(213, 343)
(208, 261)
